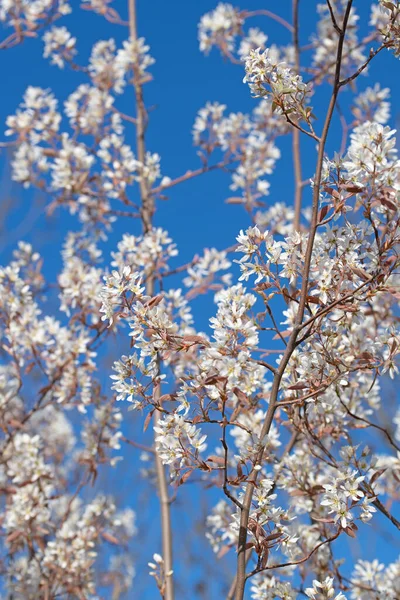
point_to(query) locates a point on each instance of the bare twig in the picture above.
(271, 15)
(372, 55)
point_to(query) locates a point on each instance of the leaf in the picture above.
(214, 379)
(165, 397)
(366, 356)
(29, 368)
(388, 4)
(349, 532)
(388, 203)
(185, 477)
(296, 493)
(216, 459)
(234, 200)
(322, 520)
(110, 538)
(322, 213)
(265, 558)
(361, 273)
(376, 475)
(273, 536)
(332, 192)
(282, 334)
(154, 301)
(350, 187)
(249, 545)
(224, 550)
(15, 423)
(13, 536)
(240, 395)
(196, 339)
(301, 385)
(147, 420)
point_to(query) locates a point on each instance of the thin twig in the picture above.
(189, 175)
(296, 562)
(271, 15)
(372, 55)
(298, 190)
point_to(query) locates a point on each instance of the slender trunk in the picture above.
(147, 212)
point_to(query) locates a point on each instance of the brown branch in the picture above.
(225, 447)
(378, 504)
(296, 134)
(262, 363)
(147, 211)
(245, 513)
(271, 15)
(190, 175)
(372, 55)
(369, 424)
(327, 309)
(333, 18)
(310, 134)
(296, 562)
(137, 445)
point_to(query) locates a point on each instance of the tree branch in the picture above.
(245, 513)
(147, 211)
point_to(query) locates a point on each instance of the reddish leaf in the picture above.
(349, 532)
(234, 200)
(332, 192)
(223, 551)
(147, 420)
(214, 379)
(13, 536)
(350, 187)
(284, 334)
(240, 395)
(388, 203)
(166, 397)
(361, 273)
(110, 538)
(322, 213)
(196, 339)
(216, 459)
(376, 476)
(301, 385)
(273, 536)
(154, 301)
(185, 476)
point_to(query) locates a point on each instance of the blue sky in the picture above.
(195, 214)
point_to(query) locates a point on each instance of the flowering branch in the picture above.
(245, 513)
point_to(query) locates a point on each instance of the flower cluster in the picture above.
(268, 76)
(323, 589)
(59, 46)
(344, 492)
(386, 18)
(219, 28)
